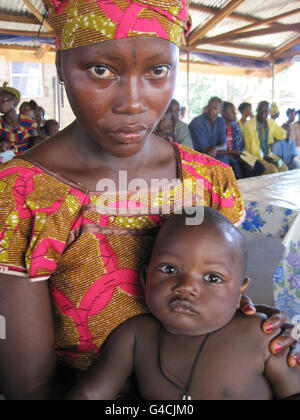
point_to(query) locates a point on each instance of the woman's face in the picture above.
(119, 90)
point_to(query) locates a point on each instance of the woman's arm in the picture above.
(27, 345)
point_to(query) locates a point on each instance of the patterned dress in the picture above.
(51, 229)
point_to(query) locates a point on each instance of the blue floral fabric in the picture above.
(278, 222)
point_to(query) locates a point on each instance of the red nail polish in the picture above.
(278, 348)
(249, 308)
(269, 328)
(296, 359)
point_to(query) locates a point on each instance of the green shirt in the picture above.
(263, 134)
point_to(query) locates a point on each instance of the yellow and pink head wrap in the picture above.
(84, 22)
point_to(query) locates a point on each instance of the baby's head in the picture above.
(196, 275)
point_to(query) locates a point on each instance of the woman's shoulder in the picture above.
(190, 157)
(25, 178)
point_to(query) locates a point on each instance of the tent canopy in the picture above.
(236, 36)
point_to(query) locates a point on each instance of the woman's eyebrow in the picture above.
(154, 57)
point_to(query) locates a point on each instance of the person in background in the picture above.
(245, 110)
(183, 113)
(208, 131)
(296, 130)
(236, 145)
(182, 132)
(286, 149)
(6, 153)
(165, 128)
(17, 129)
(275, 113)
(26, 110)
(51, 128)
(260, 134)
(291, 114)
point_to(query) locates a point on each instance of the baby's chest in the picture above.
(215, 377)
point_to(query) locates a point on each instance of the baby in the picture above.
(195, 344)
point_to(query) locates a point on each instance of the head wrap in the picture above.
(11, 90)
(274, 109)
(84, 22)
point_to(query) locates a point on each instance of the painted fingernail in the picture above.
(296, 358)
(278, 348)
(269, 328)
(249, 308)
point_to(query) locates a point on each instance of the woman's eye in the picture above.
(171, 270)
(213, 278)
(102, 72)
(158, 72)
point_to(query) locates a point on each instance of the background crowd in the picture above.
(252, 145)
(22, 129)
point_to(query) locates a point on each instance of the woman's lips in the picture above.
(182, 307)
(128, 133)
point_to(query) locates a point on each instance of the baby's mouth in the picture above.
(182, 306)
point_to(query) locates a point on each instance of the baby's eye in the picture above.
(102, 72)
(171, 270)
(213, 278)
(158, 72)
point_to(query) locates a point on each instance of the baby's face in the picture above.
(194, 280)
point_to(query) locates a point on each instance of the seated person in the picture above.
(286, 149)
(51, 128)
(165, 128)
(275, 113)
(17, 129)
(245, 110)
(195, 345)
(181, 129)
(291, 114)
(6, 153)
(260, 134)
(236, 145)
(208, 131)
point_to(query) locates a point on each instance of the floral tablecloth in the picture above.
(273, 209)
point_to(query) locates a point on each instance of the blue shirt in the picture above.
(204, 136)
(237, 137)
(285, 150)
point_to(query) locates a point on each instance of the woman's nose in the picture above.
(131, 97)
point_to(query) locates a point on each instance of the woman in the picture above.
(296, 130)
(83, 247)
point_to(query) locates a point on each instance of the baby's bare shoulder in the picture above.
(251, 328)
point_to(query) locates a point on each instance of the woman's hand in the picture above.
(276, 321)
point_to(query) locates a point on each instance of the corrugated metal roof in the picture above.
(247, 12)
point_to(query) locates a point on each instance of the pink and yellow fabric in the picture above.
(51, 229)
(84, 22)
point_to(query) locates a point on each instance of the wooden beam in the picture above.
(9, 17)
(207, 51)
(25, 54)
(259, 32)
(248, 47)
(43, 50)
(263, 22)
(27, 33)
(223, 13)
(37, 14)
(287, 46)
(215, 10)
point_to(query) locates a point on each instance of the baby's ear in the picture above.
(245, 285)
(143, 276)
(243, 290)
